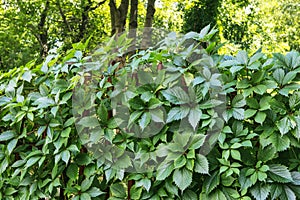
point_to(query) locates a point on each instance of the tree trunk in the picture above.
(146, 41)
(133, 25)
(43, 32)
(118, 16)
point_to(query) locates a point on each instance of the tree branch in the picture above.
(63, 16)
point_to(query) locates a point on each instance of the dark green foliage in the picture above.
(256, 155)
(200, 15)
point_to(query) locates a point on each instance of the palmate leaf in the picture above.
(164, 170)
(211, 182)
(283, 125)
(260, 191)
(238, 101)
(176, 95)
(194, 117)
(201, 164)
(182, 178)
(287, 193)
(177, 113)
(281, 143)
(280, 173)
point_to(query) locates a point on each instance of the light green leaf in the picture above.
(211, 182)
(260, 117)
(7, 135)
(278, 75)
(86, 183)
(65, 156)
(179, 162)
(194, 117)
(182, 178)
(157, 115)
(281, 143)
(260, 191)
(95, 192)
(238, 113)
(201, 164)
(283, 126)
(89, 121)
(249, 113)
(145, 120)
(164, 170)
(31, 161)
(11, 146)
(118, 190)
(279, 173)
(238, 101)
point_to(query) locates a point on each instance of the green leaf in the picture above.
(279, 173)
(289, 77)
(238, 113)
(258, 76)
(174, 114)
(281, 143)
(145, 120)
(197, 141)
(86, 184)
(287, 194)
(85, 196)
(249, 113)
(164, 170)
(135, 193)
(276, 190)
(179, 162)
(176, 95)
(201, 164)
(65, 156)
(11, 145)
(194, 117)
(242, 57)
(235, 154)
(136, 103)
(31, 161)
(228, 63)
(260, 117)
(66, 132)
(157, 115)
(252, 103)
(146, 183)
(83, 159)
(118, 190)
(238, 101)
(267, 153)
(278, 75)
(27, 76)
(89, 121)
(260, 89)
(217, 195)
(7, 135)
(182, 178)
(134, 116)
(189, 195)
(296, 178)
(44, 102)
(211, 182)
(103, 113)
(283, 125)
(260, 191)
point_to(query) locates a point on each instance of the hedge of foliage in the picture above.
(256, 155)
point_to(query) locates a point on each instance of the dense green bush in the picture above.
(256, 155)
